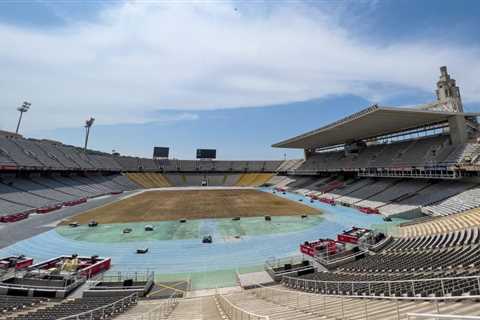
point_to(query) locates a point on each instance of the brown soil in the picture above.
(193, 204)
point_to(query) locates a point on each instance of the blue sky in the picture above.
(232, 75)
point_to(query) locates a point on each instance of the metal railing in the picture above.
(162, 311)
(439, 316)
(119, 276)
(104, 312)
(273, 262)
(234, 312)
(347, 307)
(439, 286)
(75, 281)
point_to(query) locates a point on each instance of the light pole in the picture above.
(88, 125)
(23, 108)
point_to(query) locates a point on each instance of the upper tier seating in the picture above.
(421, 152)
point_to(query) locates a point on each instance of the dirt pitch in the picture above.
(194, 204)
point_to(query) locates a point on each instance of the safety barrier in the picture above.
(105, 312)
(440, 286)
(428, 316)
(234, 312)
(338, 306)
(160, 312)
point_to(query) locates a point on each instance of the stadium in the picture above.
(380, 220)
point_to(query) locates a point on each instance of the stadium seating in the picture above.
(398, 190)
(420, 152)
(149, 179)
(446, 255)
(390, 196)
(365, 193)
(437, 225)
(282, 304)
(462, 201)
(77, 306)
(253, 179)
(289, 165)
(32, 154)
(11, 304)
(46, 193)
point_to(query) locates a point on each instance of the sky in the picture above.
(237, 76)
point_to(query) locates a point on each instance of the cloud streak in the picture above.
(139, 57)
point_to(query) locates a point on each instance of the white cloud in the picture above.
(139, 57)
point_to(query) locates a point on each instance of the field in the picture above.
(194, 204)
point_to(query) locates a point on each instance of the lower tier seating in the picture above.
(116, 305)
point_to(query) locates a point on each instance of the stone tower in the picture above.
(448, 94)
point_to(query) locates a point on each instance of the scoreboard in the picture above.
(161, 152)
(206, 153)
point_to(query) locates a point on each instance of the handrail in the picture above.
(161, 311)
(473, 297)
(28, 286)
(440, 316)
(234, 312)
(385, 281)
(132, 297)
(337, 305)
(411, 287)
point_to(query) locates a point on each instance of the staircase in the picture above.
(203, 308)
(285, 305)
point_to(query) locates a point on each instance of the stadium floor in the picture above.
(223, 229)
(207, 265)
(200, 203)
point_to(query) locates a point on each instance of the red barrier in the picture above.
(347, 238)
(327, 201)
(74, 202)
(352, 236)
(49, 209)
(311, 248)
(8, 167)
(116, 192)
(88, 266)
(14, 217)
(369, 210)
(18, 263)
(96, 268)
(24, 263)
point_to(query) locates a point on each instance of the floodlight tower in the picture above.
(23, 108)
(88, 125)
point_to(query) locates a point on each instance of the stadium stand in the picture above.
(422, 160)
(91, 308)
(149, 180)
(460, 202)
(42, 194)
(13, 304)
(437, 225)
(403, 262)
(253, 179)
(278, 303)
